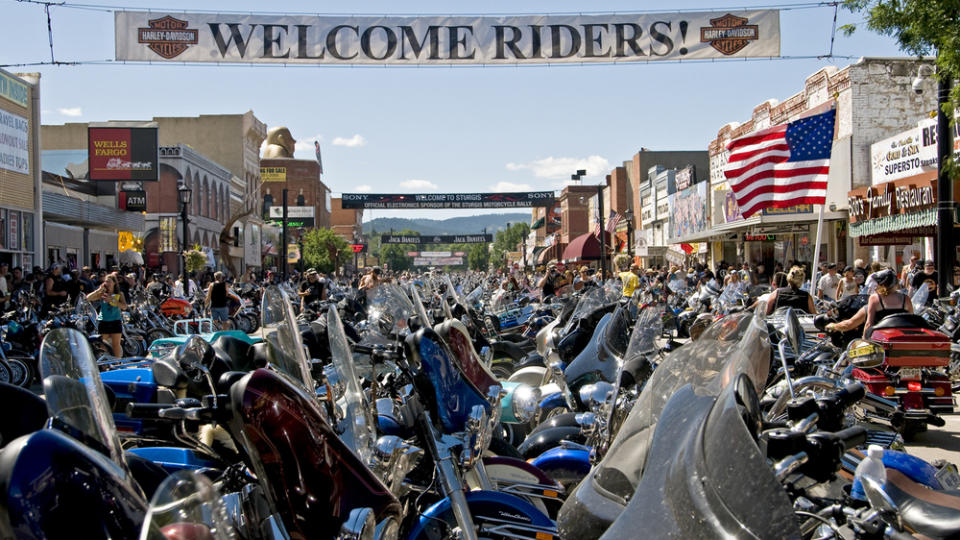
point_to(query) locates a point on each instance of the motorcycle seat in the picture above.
(30, 412)
(234, 352)
(929, 512)
(902, 320)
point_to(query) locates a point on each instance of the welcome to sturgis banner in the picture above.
(538, 39)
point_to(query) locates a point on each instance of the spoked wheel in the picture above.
(135, 346)
(154, 334)
(19, 372)
(254, 322)
(4, 372)
(101, 349)
(502, 368)
(242, 324)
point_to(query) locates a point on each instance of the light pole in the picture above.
(184, 195)
(628, 215)
(946, 249)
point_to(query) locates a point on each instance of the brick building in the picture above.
(305, 190)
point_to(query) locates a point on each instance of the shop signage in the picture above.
(14, 90)
(759, 237)
(273, 174)
(891, 198)
(14, 151)
(435, 254)
(293, 212)
(123, 153)
(413, 201)
(731, 211)
(688, 211)
(358, 248)
(14, 230)
(898, 238)
(142, 36)
(135, 200)
(796, 209)
(124, 241)
(437, 239)
(684, 177)
(293, 252)
(439, 261)
(168, 234)
(251, 244)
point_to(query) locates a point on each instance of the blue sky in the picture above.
(434, 129)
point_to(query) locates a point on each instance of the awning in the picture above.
(538, 223)
(537, 250)
(898, 222)
(549, 252)
(585, 247)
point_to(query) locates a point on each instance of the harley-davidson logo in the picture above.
(729, 34)
(167, 36)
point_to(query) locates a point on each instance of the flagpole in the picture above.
(816, 253)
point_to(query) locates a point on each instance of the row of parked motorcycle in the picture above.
(424, 411)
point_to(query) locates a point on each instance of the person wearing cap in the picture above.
(311, 289)
(827, 287)
(906, 275)
(884, 302)
(848, 284)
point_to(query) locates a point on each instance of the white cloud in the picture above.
(418, 184)
(363, 188)
(307, 144)
(70, 111)
(561, 168)
(352, 142)
(510, 186)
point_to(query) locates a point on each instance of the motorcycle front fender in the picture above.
(565, 465)
(553, 401)
(541, 441)
(501, 507)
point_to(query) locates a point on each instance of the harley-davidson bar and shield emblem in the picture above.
(167, 36)
(729, 34)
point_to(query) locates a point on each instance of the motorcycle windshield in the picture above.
(735, 344)
(649, 325)
(591, 299)
(358, 425)
(418, 307)
(920, 297)
(86, 310)
(75, 397)
(186, 505)
(474, 297)
(282, 337)
(389, 309)
(451, 290)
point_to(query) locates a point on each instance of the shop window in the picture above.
(300, 200)
(27, 231)
(3, 228)
(267, 203)
(54, 255)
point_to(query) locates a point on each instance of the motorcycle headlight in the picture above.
(526, 401)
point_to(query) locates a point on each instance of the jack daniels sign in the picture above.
(412, 201)
(437, 239)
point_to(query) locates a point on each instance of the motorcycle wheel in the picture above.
(19, 372)
(254, 321)
(135, 346)
(4, 372)
(242, 324)
(154, 334)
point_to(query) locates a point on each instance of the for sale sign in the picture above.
(123, 153)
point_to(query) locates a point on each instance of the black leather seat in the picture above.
(234, 352)
(902, 320)
(929, 512)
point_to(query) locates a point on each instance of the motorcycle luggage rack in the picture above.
(189, 327)
(110, 363)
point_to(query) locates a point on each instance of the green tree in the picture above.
(508, 240)
(324, 250)
(920, 27)
(478, 257)
(395, 255)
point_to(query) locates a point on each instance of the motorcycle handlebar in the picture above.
(145, 410)
(852, 436)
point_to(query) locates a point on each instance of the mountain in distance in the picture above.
(457, 225)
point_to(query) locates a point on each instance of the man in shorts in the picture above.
(218, 297)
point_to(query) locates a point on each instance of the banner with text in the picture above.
(14, 150)
(437, 261)
(523, 39)
(414, 201)
(437, 239)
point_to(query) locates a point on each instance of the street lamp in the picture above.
(184, 195)
(628, 216)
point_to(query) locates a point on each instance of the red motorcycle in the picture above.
(905, 361)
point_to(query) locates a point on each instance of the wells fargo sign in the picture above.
(123, 153)
(892, 198)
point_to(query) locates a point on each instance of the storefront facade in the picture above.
(20, 201)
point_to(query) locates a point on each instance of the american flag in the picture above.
(596, 229)
(613, 221)
(782, 166)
